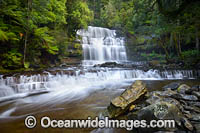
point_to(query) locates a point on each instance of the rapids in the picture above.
(78, 92)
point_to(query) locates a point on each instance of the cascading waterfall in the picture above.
(81, 80)
(101, 45)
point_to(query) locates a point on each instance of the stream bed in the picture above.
(73, 93)
(81, 91)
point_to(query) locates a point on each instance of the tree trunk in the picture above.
(162, 44)
(29, 2)
(171, 43)
(25, 44)
(197, 39)
(178, 46)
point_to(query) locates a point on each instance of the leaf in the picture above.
(3, 36)
(26, 65)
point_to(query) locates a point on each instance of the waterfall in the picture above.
(82, 79)
(101, 45)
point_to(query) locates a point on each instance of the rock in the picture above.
(183, 88)
(122, 103)
(164, 111)
(197, 94)
(172, 86)
(158, 96)
(185, 97)
(154, 98)
(187, 123)
(154, 63)
(132, 107)
(194, 88)
(166, 96)
(195, 117)
(192, 108)
(197, 127)
(167, 93)
(197, 104)
(109, 64)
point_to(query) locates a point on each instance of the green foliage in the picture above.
(191, 53)
(26, 65)
(78, 16)
(3, 36)
(140, 40)
(46, 27)
(12, 59)
(153, 56)
(173, 25)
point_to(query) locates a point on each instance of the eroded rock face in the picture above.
(122, 103)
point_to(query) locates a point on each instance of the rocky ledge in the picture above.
(178, 102)
(146, 65)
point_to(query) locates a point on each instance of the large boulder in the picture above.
(122, 103)
(164, 111)
(172, 86)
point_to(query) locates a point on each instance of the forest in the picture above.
(38, 33)
(100, 66)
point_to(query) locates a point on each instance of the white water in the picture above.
(101, 45)
(82, 82)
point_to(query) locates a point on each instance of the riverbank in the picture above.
(65, 62)
(62, 106)
(176, 101)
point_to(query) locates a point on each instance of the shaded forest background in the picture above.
(38, 33)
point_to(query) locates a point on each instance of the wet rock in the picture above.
(197, 104)
(122, 103)
(158, 96)
(172, 86)
(187, 123)
(183, 88)
(109, 64)
(197, 94)
(164, 111)
(197, 127)
(154, 98)
(192, 108)
(194, 88)
(195, 117)
(185, 97)
(167, 93)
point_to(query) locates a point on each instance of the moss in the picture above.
(5, 71)
(141, 40)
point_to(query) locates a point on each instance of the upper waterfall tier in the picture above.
(101, 45)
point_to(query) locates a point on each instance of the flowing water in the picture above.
(101, 45)
(78, 92)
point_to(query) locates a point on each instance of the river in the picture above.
(81, 91)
